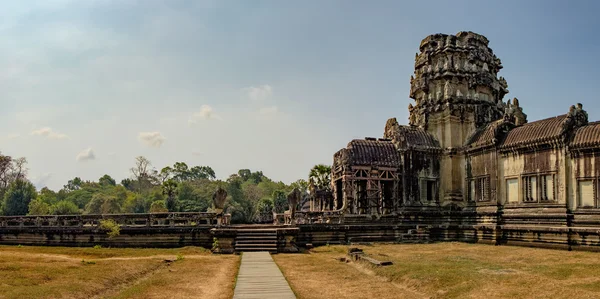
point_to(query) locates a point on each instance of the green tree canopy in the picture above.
(64, 207)
(106, 180)
(17, 198)
(320, 176)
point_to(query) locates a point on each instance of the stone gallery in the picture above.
(467, 149)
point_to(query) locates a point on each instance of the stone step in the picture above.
(256, 237)
(255, 244)
(269, 230)
(254, 249)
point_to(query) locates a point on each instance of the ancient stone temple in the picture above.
(467, 167)
(466, 149)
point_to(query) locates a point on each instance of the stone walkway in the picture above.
(260, 278)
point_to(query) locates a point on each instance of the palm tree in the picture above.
(169, 188)
(320, 176)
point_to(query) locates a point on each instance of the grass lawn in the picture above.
(444, 270)
(61, 272)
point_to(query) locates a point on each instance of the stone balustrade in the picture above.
(123, 220)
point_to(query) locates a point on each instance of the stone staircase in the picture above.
(263, 239)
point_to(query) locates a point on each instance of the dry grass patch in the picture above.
(448, 270)
(192, 277)
(59, 272)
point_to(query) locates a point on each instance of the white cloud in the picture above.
(259, 93)
(152, 139)
(268, 110)
(49, 133)
(13, 136)
(196, 153)
(86, 155)
(206, 112)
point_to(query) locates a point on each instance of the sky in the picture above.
(277, 86)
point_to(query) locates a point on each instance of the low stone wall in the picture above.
(136, 230)
(545, 227)
(129, 237)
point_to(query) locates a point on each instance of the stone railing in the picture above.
(325, 217)
(124, 220)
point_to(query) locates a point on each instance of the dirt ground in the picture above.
(58, 272)
(444, 270)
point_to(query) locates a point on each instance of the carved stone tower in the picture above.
(456, 90)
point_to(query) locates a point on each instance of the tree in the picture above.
(17, 198)
(81, 197)
(301, 185)
(64, 207)
(129, 184)
(158, 207)
(5, 172)
(165, 174)
(38, 207)
(169, 189)
(135, 203)
(142, 173)
(47, 196)
(106, 181)
(73, 185)
(111, 205)
(11, 170)
(320, 176)
(244, 174)
(94, 206)
(202, 172)
(180, 172)
(280, 202)
(264, 210)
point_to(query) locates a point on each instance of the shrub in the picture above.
(111, 227)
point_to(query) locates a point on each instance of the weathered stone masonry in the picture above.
(469, 166)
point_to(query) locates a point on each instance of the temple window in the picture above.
(512, 190)
(530, 189)
(547, 187)
(428, 190)
(479, 188)
(586, 193)
(537, 188)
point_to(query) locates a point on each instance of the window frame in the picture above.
(526, 187)
(506, 193)
(424, 187)
(595, 186)
(482, 188)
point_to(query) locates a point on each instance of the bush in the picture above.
(64, 207)
(158, 207)
(111, 227)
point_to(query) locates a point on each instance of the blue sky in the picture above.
(277, 86)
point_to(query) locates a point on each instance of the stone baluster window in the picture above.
(479, 189)
(530, 190)
(547, 192)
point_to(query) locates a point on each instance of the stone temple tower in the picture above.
(456, 89)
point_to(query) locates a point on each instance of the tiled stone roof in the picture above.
(484, 136)
(587, 136)
(371, 151)
(410, 137)
(541, 131)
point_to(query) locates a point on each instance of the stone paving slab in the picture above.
(259, 277)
